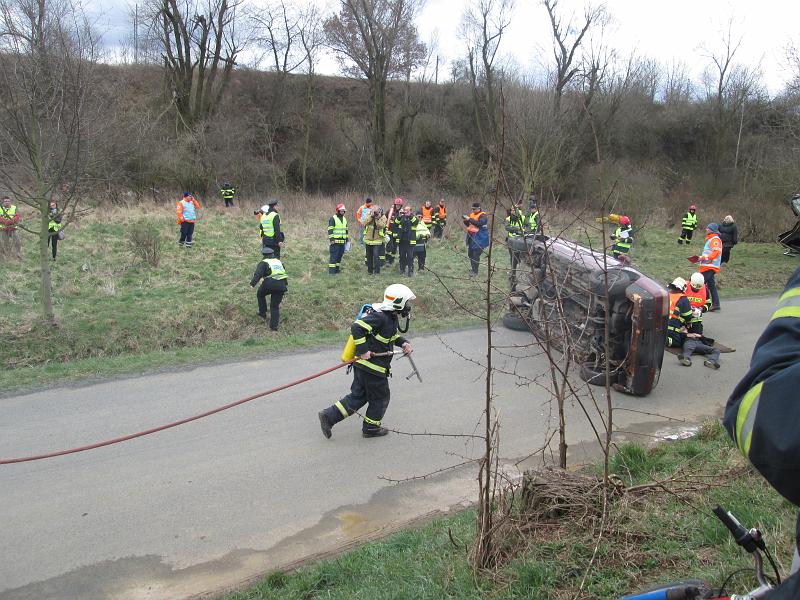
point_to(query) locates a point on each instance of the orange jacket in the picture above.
(427, 214)
(712, 253)
(179, 209)
(474, 215)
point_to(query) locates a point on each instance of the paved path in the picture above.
(213, 503)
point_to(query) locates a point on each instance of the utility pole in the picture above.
(436, 73)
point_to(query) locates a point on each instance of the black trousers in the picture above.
(335, 262)
(389, 252)
(420, 252)
(187, 230)
(52, 240)
(275, 290)
(474, 254)
(405, 257)
(686, 235)
(228, 201)
(726, 254)
(366, 388)
(374, 253)
(711, 283)
(438, 228)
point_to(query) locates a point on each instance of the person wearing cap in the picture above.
(274, 282)
(227, 191)
(9, 218)
(186, 211)
(439, 219)
(269, 226)
(622, 238)
(477, 236)
(688, 225)
(337, 235)
(710, 261)
(533, 224)
(361, 216)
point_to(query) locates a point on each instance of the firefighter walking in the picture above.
(375, 334)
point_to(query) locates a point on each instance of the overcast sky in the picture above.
(675, 30)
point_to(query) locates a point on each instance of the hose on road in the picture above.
(125, 438)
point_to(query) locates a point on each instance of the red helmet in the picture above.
(692, 207)
(398, 201)
(340, 208)
(623, 220)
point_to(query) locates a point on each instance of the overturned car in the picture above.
(558, 293)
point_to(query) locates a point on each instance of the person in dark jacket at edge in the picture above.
(763, 413)
(274, 285)
(729, 234)
(374, 334)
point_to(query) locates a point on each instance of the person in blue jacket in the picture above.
(763, 413)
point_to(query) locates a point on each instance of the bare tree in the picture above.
(47, 69)
(376, 40)
(311, 38)
(568, 38)
(199, 45)
(483, 25)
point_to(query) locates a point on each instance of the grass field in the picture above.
(117, 315)
(656, 537)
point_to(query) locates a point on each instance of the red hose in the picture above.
(8, 461)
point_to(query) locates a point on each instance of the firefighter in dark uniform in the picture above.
(227, 191)
(763, 414)
(679, 334)
(515, 227)
(376, 332)
(271, 273)
(688, 225)
(622, 237)
(337, 237)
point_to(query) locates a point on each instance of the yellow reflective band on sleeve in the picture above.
(366, 326)
(341, 408)
(787, 311)
(788, 305)
(380, 338)
(371, 421)
(361, 340)
(746, 417)
(789, 294)
(369, 365)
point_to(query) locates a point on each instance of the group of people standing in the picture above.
(10, 217)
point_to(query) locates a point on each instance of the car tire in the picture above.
(513, 321)
(593, 376)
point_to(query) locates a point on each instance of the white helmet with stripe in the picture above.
(395, 297)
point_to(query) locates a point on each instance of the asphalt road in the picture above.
(211, 504)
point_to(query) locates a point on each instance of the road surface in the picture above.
(212, 504)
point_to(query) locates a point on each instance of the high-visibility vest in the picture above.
(267, 226)
(689, 221)
(188, 212)
(533, 221)
(622, 245)
(8, 213)
(278, 272)
(474, 216)
(227, 193)
(423, 233)
(514, 225)
(713, 246)
(427, 214)
(441, 212)
(338, 231)
(698, 299)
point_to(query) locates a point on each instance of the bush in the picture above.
(463, 171)
(145, 242)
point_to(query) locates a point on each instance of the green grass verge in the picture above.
(118, 315)
(656, 537)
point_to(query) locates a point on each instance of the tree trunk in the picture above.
(44, 261)
(378, 89)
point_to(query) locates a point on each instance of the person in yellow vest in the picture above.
(269, 226)
(274, 282)
(54, 228)
(186, 210)
(337, 235)
(423, 235)
(688, 225)
(227, 191)
(439, 219)
(374, 234)
(9, 239)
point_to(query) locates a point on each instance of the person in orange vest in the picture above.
(186, 210)
(698, 296)
(710, 261)
(361, 217)
(439, 219)
(427, 213)
(477, 236)
(678, 328)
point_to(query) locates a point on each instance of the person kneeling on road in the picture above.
(374, 334)
(678, 328)
(274, 285)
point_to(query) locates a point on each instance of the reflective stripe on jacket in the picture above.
(376, 331)
(620, 244)
(698, 299)
(337, 229)
(689, 221)
(763, 413)
(712, 252)
(427, 214)
(187, 210)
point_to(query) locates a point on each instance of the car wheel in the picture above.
(593, 376)
(513, 321)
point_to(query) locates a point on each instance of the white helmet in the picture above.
(679, 282)
(697, 280)
(265, 208)
(395, 297)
